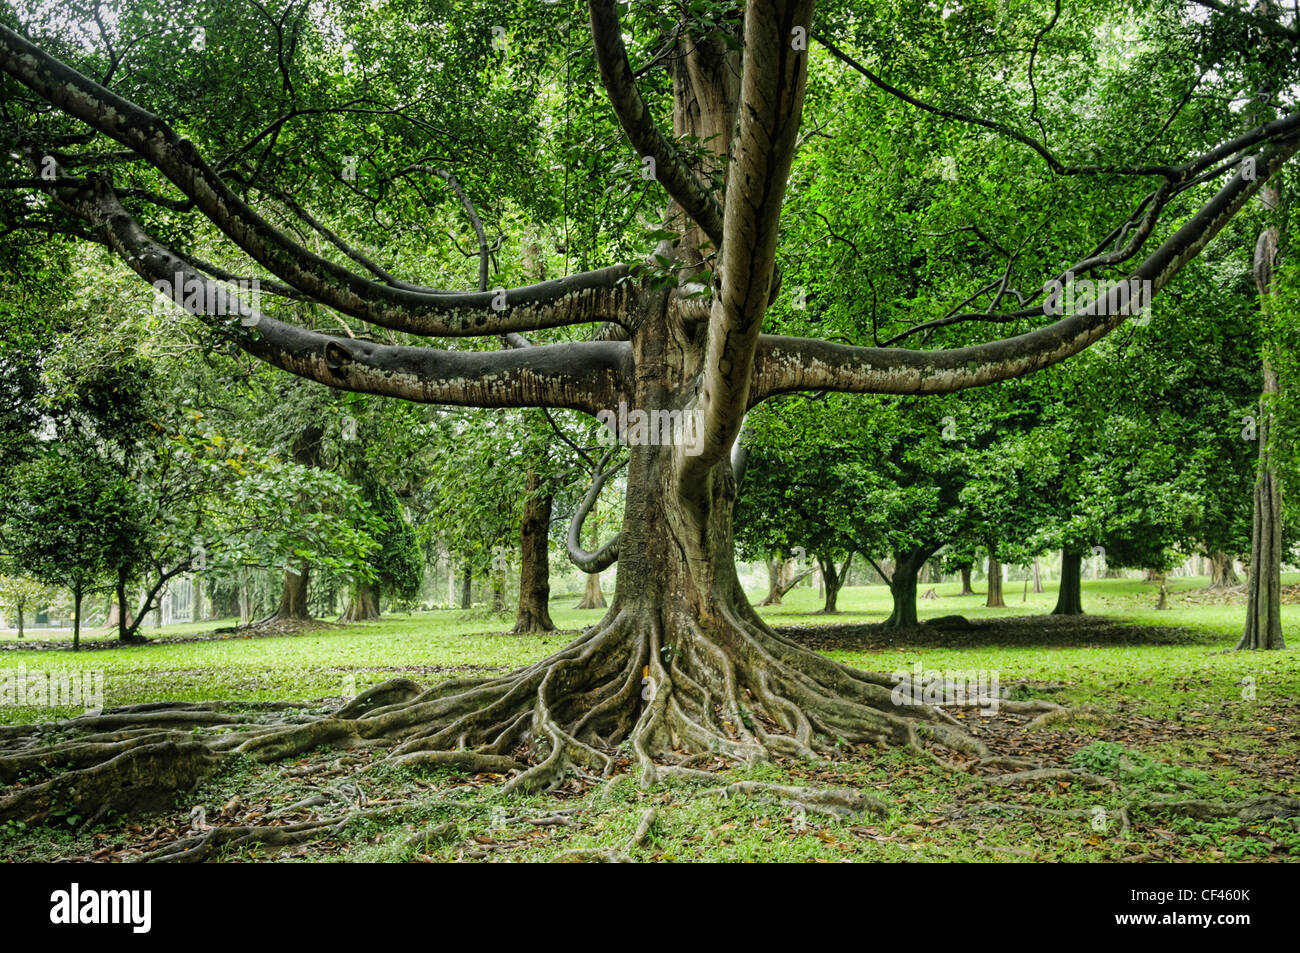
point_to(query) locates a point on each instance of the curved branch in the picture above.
(606, 555)
(672, 171)
(788, 364)
(582, 376)
(771, 108)
(577, 299)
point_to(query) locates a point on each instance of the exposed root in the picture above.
(831, 802)
(1248, 811)
(671, 691)
(592, 855)
(1049, 774)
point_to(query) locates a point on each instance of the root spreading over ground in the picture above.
(622, 695)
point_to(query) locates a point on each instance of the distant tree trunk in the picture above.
(1158, 577)
(1223, 574)
(77, 592)
(775, 574)
(21, 606)
(534, 565)
(363, 606)
(293, 594)
(466, 587)
(196, 603)
(497, 580)
(994, 600)
(592, 597)
(245, 599)
(782, 576)
(293, 597)
(1263, 628)
(1069, 598)
(1038, 578)
(834, 581)
(902, 587)
(123, 614)
(966, 590)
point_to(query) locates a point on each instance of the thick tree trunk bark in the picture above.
(363, 606)
(1069, 599)
(902, 587)
(966, 590)
(293, 594)
(534, 566)
(994, 600)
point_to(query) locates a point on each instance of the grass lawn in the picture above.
(1179, 719)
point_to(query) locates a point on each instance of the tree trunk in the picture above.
(497, 580)
(77, 592)
(466, 587)
(994, 600)
(1038, 578)
(534, 565)
(966, 590)
(902, 587)
(592, 597)
(834, 581)
(1263, 628)
(363, 606)
(775, 576)
(21, 606)
(1223, 575)
(196, 605)
(1069, 598)
(294, 595)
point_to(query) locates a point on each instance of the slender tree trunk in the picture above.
(834, 581)
(1069, 598)
(466, 587)
(497, 580)
(534, 565)
(196, 604)
(994, 600)
(294, 595)
(77, 592)
(22, 603)
(1263, 628)
(1038, 578)
(966, 589)
(592, 597)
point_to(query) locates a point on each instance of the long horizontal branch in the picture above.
(584, 376)
(576, 299)
(785, 364)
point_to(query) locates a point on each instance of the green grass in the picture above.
(1190, 719)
